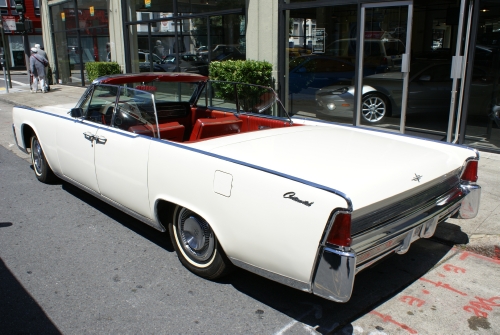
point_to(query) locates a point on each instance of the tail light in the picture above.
(384, 61)
(470, 172)
(340, 233)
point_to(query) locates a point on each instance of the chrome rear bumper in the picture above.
(336, 267)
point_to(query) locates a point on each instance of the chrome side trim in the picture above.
(149, 222)
(206, 153)
(306, 287)
(334, 277)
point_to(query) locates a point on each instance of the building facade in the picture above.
(428, 68)
(13, 46)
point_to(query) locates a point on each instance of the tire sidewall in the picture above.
(41, 175)
(211, 269)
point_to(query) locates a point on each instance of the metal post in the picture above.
(6, 53)
(2, 60)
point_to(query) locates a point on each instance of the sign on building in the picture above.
(9, 23)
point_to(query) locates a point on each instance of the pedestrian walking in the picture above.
(41, 52)
(37, 69)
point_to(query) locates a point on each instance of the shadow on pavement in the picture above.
(450, 233)
(372, 286)
(160, 239)
(19, 312)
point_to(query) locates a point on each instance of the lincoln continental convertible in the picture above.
(236, 182)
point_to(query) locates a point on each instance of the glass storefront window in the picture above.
(483, 112)
(321, 56)
(186, 45)
(81, 34)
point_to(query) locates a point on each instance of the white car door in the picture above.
(75, 137)
(121, 154)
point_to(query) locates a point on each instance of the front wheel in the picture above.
(43, 172)
(374, 107)
(197, 246)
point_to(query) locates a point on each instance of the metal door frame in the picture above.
(405, 61)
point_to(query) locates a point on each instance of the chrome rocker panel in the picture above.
(336, 267)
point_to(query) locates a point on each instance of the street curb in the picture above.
(486, 245)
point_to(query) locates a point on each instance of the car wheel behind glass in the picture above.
(43, 172)
(374, 107)
(197, 246)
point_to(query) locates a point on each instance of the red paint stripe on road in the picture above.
(446, 286)
(388, 318)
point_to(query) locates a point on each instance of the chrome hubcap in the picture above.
(37, 156)
(196, 236)
(373, 109)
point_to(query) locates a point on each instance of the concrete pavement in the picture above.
(483, 232)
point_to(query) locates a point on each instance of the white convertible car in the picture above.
(236, 182)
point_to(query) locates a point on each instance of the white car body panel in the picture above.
(121, 166)
(270, 196)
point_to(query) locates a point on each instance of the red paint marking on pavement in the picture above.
(497, 252)
(410, 300)
(475, 306)
(466, 254)
(453, 268)
(441, 275)
(425, 292)
(387, 318)
(446, 286)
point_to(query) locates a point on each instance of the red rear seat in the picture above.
(205, 128)
(172, 131)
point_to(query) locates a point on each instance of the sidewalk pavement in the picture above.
(482, 233)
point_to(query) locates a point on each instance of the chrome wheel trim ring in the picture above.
(373, 109)
(36, 156)
(195, 236)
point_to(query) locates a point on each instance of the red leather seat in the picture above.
(205, 128)
(172, 131)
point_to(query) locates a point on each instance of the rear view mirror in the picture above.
(76, 112)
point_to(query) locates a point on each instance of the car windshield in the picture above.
(248, 98)
(394, 48)
(170, 58)
(167, 91)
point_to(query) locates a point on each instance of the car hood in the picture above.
(368, 166)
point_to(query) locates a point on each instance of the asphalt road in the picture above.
(72, 264)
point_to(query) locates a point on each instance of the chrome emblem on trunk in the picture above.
(291, 196)
(417, 177)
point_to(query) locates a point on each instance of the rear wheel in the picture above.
(43, 172)
(197, 246)
(374, 107)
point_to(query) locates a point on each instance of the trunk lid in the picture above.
(367, 166)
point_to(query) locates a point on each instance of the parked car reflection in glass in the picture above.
(429, 91)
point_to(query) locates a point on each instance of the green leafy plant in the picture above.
(49, 75)
(99, 69)
(241, 71)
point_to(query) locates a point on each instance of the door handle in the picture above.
(89, 136)
(100, 139)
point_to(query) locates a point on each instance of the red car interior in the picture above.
(179, 122)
